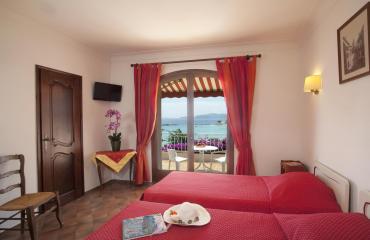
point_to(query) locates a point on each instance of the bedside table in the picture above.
(292, 166)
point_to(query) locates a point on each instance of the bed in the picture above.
(299, 192)
(231, 225)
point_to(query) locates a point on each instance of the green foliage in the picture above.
(177, 136)
(115, 137)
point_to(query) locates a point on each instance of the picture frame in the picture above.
(354, 46)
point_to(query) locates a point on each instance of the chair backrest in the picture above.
(225, 157)
(220, 152)
(20, 171)
(172, 154)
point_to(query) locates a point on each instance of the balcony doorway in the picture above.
(191, 131)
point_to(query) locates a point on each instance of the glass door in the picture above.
(172, 140)
(210, 134)
(191, 128)
(174, 131)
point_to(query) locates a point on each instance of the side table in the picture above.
(114, 161)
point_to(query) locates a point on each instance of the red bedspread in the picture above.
(287, 193)
(245, 225)
(220, 191)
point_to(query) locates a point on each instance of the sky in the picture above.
(176, 107)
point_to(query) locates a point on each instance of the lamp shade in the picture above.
(312, 83)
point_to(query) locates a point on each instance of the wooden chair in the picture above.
(27, 203)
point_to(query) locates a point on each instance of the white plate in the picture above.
(204, 216)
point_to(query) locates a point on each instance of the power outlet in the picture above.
(364, 197)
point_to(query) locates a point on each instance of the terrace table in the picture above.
(201, 150)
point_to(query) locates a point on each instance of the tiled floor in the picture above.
(86, 214)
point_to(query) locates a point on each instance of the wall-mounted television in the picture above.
(107, 92)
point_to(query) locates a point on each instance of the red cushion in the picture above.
(300, 192)
(325, 226)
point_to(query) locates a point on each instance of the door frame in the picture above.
(156, 140)
(38, 69)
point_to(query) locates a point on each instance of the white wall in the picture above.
(340, 115)
(332, 127)
(23, 44)
(278, 116)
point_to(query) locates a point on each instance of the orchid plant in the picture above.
(114, 117)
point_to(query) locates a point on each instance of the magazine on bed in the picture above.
(143, 226)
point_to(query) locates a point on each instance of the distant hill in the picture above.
(204, 119)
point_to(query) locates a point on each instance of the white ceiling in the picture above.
(122, 26)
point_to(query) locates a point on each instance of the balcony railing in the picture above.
(203, 160)
(179, 142)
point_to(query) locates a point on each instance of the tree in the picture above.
(177, 136)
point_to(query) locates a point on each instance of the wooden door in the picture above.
(60, 133)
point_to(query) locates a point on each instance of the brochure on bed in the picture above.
(143, 226)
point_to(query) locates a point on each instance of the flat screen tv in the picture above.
(107, 92)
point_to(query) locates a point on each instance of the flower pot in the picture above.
(116, 145)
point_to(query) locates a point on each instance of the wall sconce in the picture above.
(312, 84)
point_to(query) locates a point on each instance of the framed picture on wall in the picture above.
(353, 46)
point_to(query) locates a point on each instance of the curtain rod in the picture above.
(200, 60)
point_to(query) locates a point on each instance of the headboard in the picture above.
(339, 184)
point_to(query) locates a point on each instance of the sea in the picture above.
(205, 126)
(200, 130)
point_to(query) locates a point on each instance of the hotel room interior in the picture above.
(197, 119)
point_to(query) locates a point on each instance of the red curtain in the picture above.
(237, 76)
(147, 78)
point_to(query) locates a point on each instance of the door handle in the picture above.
(46, 140)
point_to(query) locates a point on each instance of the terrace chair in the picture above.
(172, 156)
(221, 160)
(26, 203)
